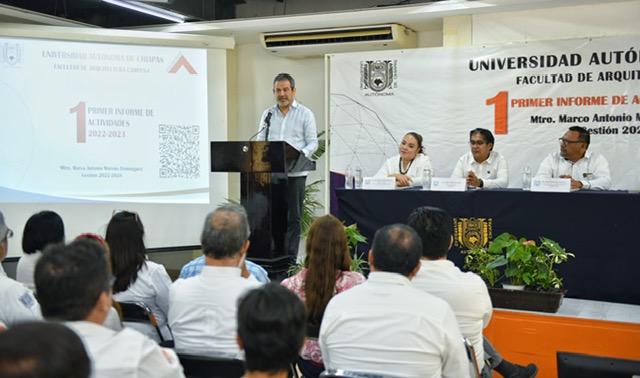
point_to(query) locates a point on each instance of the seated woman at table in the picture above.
(408, 165)
(482, 167)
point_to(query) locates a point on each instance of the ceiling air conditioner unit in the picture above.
(317, 42)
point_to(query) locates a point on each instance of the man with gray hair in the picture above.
(202, 309)
(17, 303)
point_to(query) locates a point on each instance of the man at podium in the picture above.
(295, 124)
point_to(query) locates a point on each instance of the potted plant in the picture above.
(520, 261)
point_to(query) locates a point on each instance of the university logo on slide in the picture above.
(12, 53)
(378, 75)
(473, 232)
(182, 62)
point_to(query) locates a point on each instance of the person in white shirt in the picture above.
(17, 303)
(271, 330)
(41, 229)
(294, 123)
(482, 167)
(466, 292)
(202, 310)
(587, 170)
(408, 165)
(386, 326)
(137, 278)
(74, 286)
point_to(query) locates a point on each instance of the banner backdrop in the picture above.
(528, 95)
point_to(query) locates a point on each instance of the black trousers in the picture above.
(295, 197)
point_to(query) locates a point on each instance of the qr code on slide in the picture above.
(179, 151)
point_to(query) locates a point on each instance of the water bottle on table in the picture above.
(358, 178)
(426, 179)
(348, 178)
(526, 178)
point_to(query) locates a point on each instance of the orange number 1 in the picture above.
(500, 112)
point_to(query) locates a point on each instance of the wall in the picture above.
(256, 68)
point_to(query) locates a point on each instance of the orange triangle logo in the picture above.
(182, 62)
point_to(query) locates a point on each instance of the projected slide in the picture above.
(102, 122)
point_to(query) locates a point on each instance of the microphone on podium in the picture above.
(266, 123)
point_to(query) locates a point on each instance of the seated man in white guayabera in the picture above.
(74, 285)
(466, 293)
(587, 170)
(202, 309)
(386, 326)
(482, 167)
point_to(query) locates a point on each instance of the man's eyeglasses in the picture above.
(566, 141)
(477, 143)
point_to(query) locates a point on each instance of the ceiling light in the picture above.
(149, 9)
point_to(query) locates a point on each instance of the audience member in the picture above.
(587, 170)
(194, 267)
(41, 229)
(326, 272)
(114, 318)
(202, 311)
(42, 350)
(271, 330)
(466, 293)
(482, 167)
(74, 285)
(408, 165)
(137, 278)
(17, 303)
(386, 326)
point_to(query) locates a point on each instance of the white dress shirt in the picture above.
(202, 311)
(494, 172)
(125, 354)
(386, 326)
(298, 128)
(151, 288)
(112, 321)
(466, 293)
(592, 170)
(17, 303)
(26, 267)
(420, 162)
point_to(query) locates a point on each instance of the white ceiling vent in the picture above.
(317, 42)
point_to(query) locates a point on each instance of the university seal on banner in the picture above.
(473, 233)
(378, 75)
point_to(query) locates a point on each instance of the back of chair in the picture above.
(471, 355)
(138, 312)
(210, 367)
(339, 373)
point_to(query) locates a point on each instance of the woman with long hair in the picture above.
(137, 278)
(326, 272)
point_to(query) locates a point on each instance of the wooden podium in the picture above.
(263, 168)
